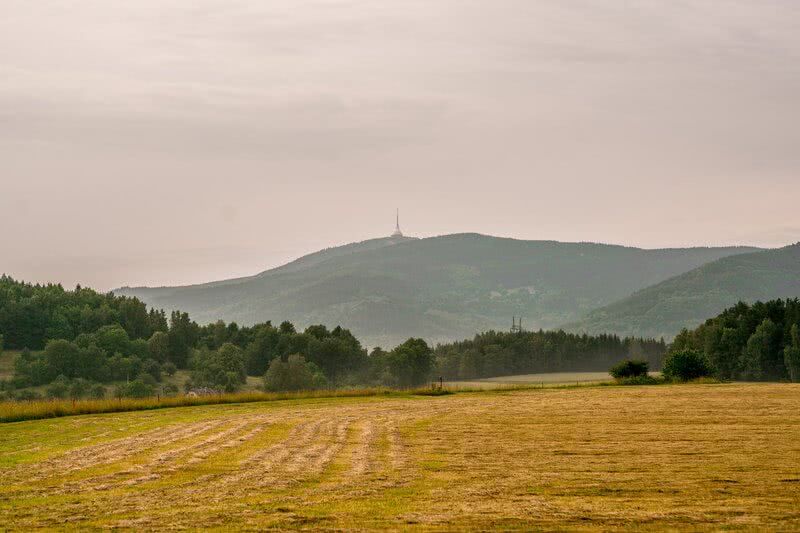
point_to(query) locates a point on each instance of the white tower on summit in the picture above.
(397, 232)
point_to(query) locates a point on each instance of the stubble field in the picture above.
(688, 457)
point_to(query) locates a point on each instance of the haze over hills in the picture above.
(687, 300)
(440, 288)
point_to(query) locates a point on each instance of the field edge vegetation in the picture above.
(14, 411)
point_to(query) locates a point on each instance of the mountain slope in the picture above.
(440, 288)
(690, 298)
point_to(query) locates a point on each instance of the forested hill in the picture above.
(306, 261)
(440, 288)
(689, 299)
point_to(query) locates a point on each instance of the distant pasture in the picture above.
(552, 378)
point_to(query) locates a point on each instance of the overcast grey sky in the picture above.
(177, 141)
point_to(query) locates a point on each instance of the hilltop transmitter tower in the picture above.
(397, 232)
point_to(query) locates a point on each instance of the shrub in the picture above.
(293, 375)
(147, 379)
(97, 392)
(684, 365)
(232, 382)
(27, 396)
(78, 388)
(135, 389)
(58, 388)
(169, 389)
(169, 368)
(153, 368)
(629, 368)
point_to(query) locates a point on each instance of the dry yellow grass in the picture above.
(669, 457)
(17, 411)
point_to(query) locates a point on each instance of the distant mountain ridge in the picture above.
(300, 263)
(687, 300)
(439, 288)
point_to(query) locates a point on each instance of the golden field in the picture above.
(659, 457)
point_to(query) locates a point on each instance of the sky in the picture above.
(161, 142)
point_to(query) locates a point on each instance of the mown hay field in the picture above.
(683, 456)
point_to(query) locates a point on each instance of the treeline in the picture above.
(219, 357)
(758, 342)
(30, 315)
(498, 353)
(72, 342)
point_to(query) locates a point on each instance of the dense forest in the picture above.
(758, 342)
(497, 354)
(72, 342)
(30, 315)
(74, 339)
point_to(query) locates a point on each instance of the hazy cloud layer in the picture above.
(176, 141)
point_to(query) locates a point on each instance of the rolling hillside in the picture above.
(439, 288)
(690, 298)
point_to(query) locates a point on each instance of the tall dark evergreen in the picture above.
(183, 334)
(756, 342)
(791, 354)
